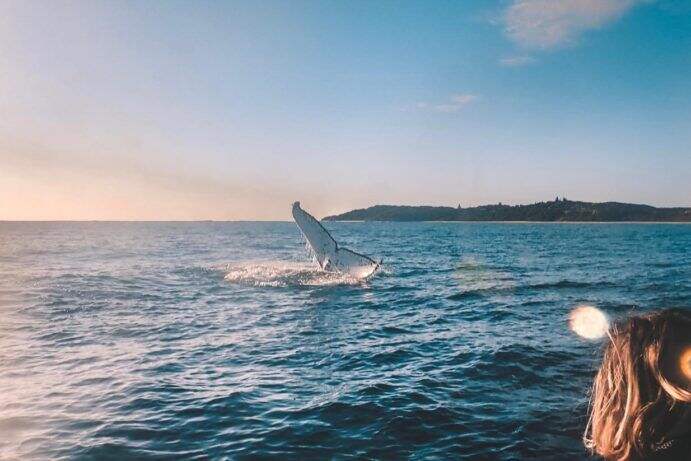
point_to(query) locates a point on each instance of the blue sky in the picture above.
(232, 110)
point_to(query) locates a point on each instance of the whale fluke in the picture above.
(327, 253)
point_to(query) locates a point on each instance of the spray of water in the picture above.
(284, 274)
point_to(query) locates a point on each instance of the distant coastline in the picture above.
(558, 210)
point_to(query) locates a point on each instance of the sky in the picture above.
(177, 110)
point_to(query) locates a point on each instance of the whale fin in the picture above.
(328, 254)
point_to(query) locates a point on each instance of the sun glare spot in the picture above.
(588, 322)
(685, 362)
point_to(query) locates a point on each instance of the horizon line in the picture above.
(195, 221)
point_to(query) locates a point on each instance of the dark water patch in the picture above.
(567, 284)
(399, 289)
(393, 330)
(662, 264)
(469, 295)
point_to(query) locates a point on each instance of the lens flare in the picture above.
(685, 362)
(588, 322)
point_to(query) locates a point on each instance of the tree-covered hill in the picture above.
(557, 210)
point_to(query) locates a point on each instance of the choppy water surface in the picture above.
(212, 340)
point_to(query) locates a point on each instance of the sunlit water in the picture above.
(212, 340)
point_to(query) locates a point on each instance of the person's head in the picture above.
(642, 390)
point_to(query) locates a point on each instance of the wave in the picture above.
(492, 290)
(565, 284)
(284, 274)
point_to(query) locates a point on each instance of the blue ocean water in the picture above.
(221, 340)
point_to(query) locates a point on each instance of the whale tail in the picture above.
(328, 254)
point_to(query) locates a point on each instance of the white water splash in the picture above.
(284, 274)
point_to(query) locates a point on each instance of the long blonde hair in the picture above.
(641, 389)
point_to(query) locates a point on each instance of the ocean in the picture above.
(221, 340)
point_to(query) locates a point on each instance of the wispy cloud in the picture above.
(517, 61)
(544, 24)
(455, 103)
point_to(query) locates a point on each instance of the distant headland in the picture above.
(558, 210)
